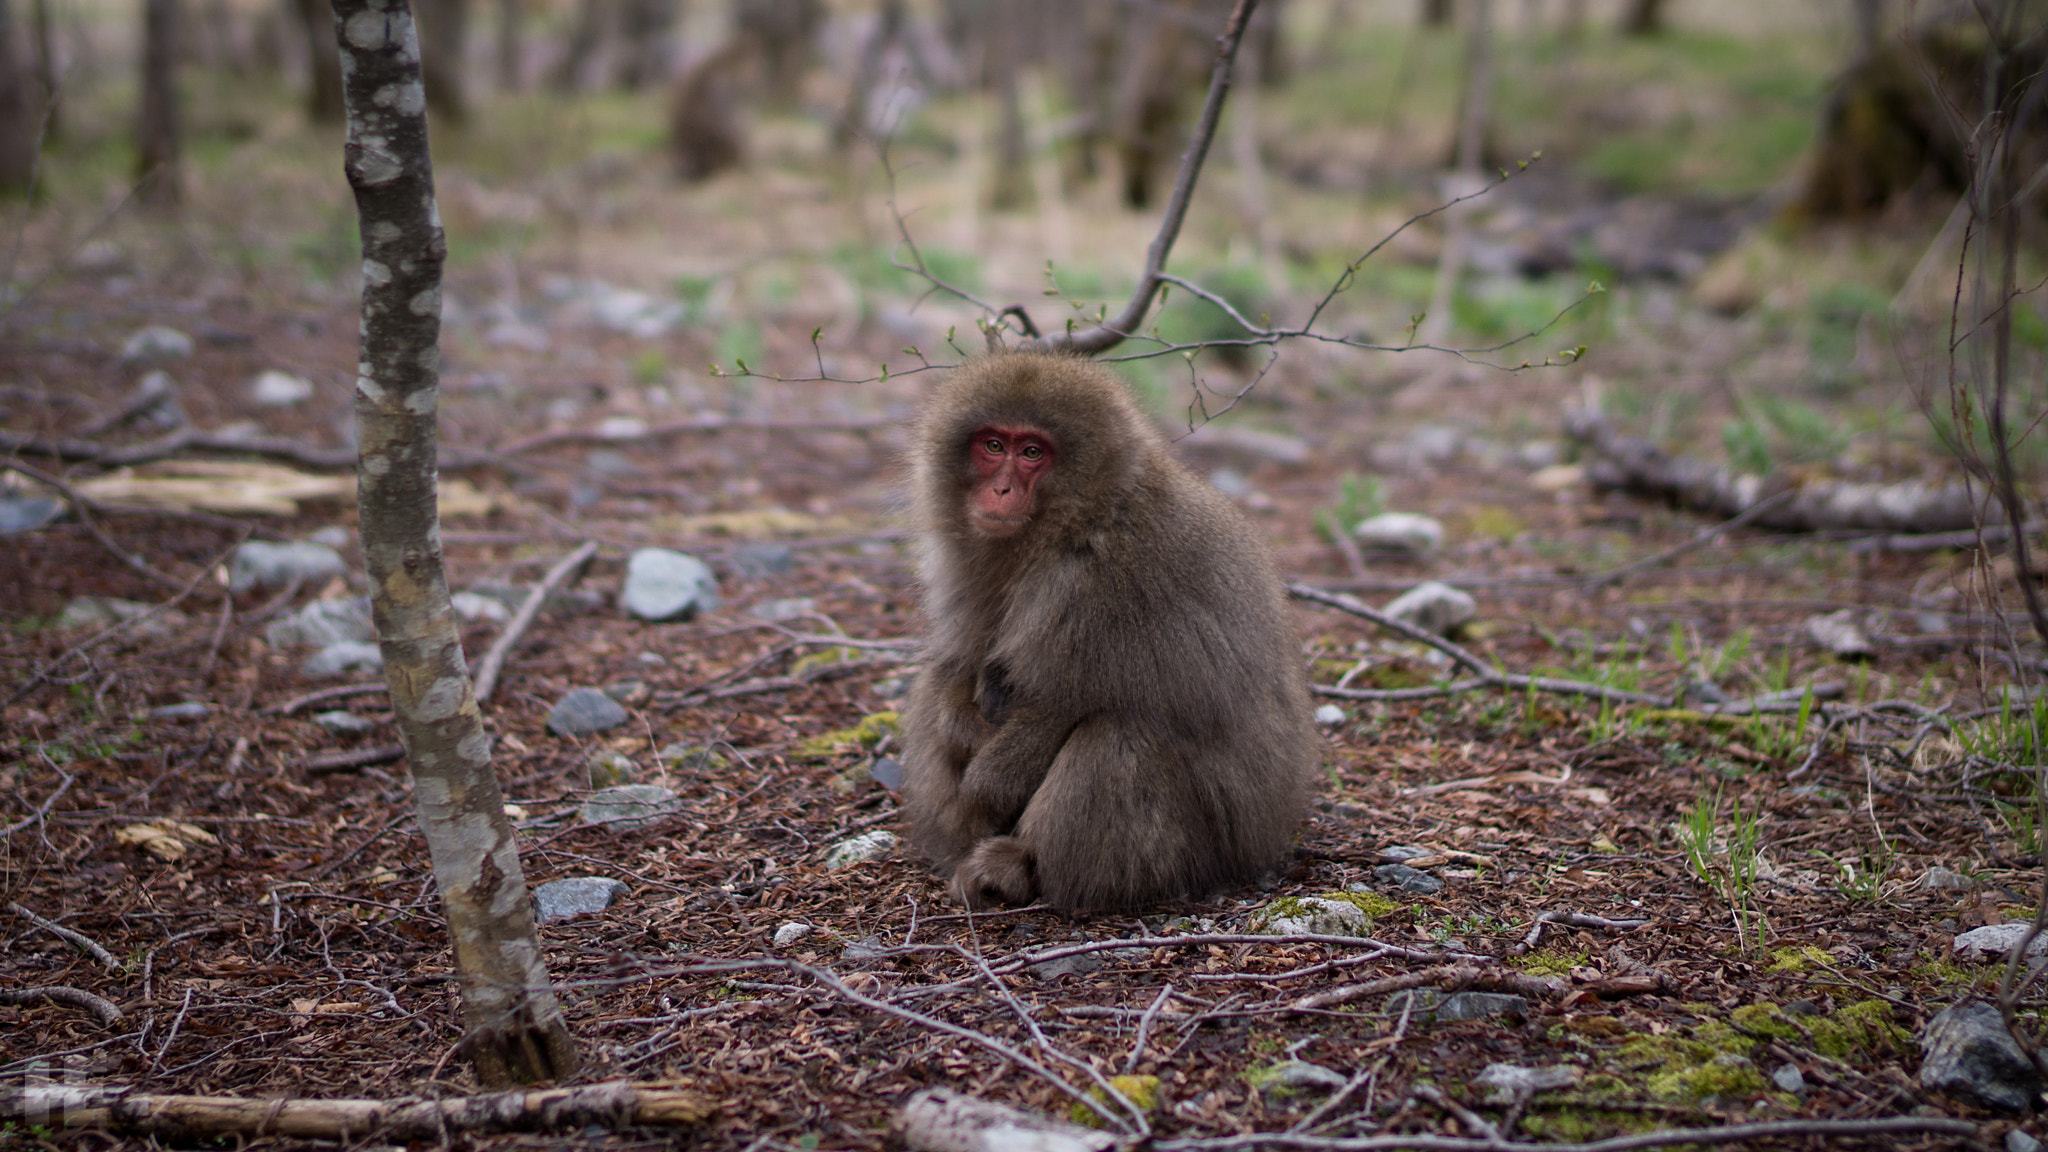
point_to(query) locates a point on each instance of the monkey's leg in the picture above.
(941, 731)
(1119, 821)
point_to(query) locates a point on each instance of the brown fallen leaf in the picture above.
(167, 840)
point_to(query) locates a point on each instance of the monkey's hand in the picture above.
(999, 871)
(1006, 771)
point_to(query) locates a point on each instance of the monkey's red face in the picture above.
(1008, 464)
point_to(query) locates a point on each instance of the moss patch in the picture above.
(1550, 963)
(1795, 960)
(839, 741)
(1142, 1091)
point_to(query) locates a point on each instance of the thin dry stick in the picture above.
(1108, 335)
(1699, 541)
(84, 942)
(44, 810)
(493, 663)
(106, 1010)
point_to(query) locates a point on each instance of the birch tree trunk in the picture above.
(513, 1027)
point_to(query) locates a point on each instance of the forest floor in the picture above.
(1753, 892)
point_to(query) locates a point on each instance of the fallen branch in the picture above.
(1633, 464)
(1574, 920)
(1450, 977)
(329, 763)
(108, 1012)
(83, 507)
(85, 943)
(323, 696)
(1962, 1130)
(613, 1104)
(1699, 541)
(493, 663)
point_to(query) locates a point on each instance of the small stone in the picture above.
(157, 342)
(608, 768)
(1313, 916)
(1839, 633)
(890, 687)
(757, 560)
(629, 806)
(333, 536)
(1482, 1006)
(261, 564)
(1231, 483)
(1970, 1053)
(1789, 1079)
(513, 334)
(650, 659)
(1434, 607)
(1330, 714)
(662, 585)
(2018, 1140)
(106, 611)
(20, 514)
(1400, 532)
(1252, 443)
(471, 608)
(1080, 964)
(1994, 941)
(1435, 444)
(1539, 454)
(585, 711)
(575, 896)
(1701, 692)
(692, 757)
(865, 950)
(887, 772)
(1300, 1075)
(1557, 477)
(1939, 879)
(1507, 1084)
(343, 723)
(859, 850)
(628, 692)
(98, 258)
(609, 462)
(1408, 879)
(274, 389)
(324, 622)
(776, 611)
(790, 933)
(1400, 853)
(188, 710)
(338, 659)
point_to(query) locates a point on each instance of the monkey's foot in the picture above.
(998, 871)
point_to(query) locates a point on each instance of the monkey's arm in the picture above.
(1008, 768)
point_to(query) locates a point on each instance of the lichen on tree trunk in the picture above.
(514, 1031)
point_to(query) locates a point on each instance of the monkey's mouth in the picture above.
(998, 527)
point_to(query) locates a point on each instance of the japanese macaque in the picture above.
(1112, 711)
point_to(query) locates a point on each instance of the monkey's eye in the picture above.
(1033, 452)
(995, 447)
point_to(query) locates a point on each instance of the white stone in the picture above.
(859, 850)
(274, 389)
(1315, 916)
(1434, 606)
(1993, 941)
(157, 342)
(1400, 532)
(663, 585)
(1330, 714)
(790, 933)
(471, 608)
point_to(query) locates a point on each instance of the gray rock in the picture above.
(333, 536)
(1231, 483)
(1330, 714)
(20, 514)
(187, 710)
(693, 757)
(890, 687)
(1408, 879)
(575, 896)
(629, 806)
(338, 659)
(1508, 1084)
(662, 585)
(343, 723)
(1839, 633)
(887, 772)
(324, 622)
(155, 401)
(627, 692)
(776, 611)
(106, 611)
(1253, 443)
(1993, 941)
(1400, 853)
(859, 849)
(157, 342)
(1970, 1053)
(261, 564)
(1539, 454)
(2018, 1140)
(1789, 1079)
(607, 462)
(865, 950)
(1434, 606)
(1299, 1076)
(756, 560)
(471, 608)
(790, 933)
(274, 389)
(1434, 444)
(1481, 1006)
(1702, 692)
(1939, 879)
(585, 711)
(1078, 965)
(1400, 532)
(1313, 916)
(610, 767)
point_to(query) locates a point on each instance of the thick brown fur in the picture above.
(1112, 710)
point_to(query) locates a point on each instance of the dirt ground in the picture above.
(295, 949)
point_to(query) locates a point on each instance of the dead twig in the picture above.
(323, 696)
(107, 1011)
(329, 763)
(564, 571)
(44, 809)
(1575, 920)
(84, 942)
(1446, 976)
